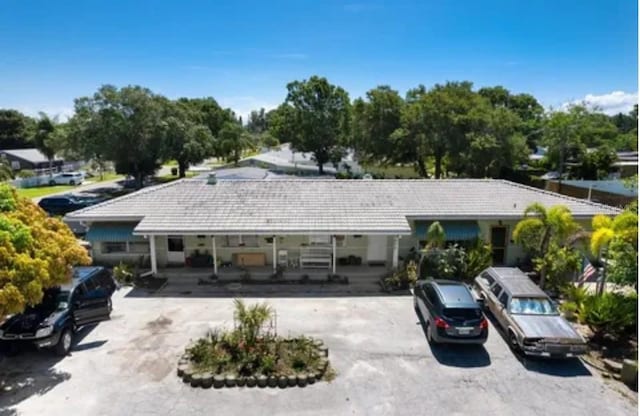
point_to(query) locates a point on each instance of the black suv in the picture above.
(51, 324)
(63, 204)
(451, 313)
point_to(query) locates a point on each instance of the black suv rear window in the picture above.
(462, 313)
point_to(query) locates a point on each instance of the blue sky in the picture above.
(243, 53)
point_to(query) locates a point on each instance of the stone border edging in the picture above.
(207, 379)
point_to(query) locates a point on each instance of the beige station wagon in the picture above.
(527, 314)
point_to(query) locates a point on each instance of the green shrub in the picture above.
(478, 258)
(611, 314)
(448, 263)
(123, 273)
(26, 173)
(404, 278)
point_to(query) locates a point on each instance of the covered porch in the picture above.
(283, 256)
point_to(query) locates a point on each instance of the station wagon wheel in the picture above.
(513, 341)
(72, 182)
(52, 182)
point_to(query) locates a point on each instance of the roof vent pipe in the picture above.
(212, 179)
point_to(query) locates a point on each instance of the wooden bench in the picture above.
(315, 257)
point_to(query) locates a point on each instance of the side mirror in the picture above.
(480, 302)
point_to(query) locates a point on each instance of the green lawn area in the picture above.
(392, 172)
(44, 190)
(109, 176)
(169, 177)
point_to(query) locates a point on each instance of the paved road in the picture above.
(126, 366)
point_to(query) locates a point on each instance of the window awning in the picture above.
(453, 230)
(112, 232)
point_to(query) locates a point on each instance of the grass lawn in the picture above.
(43, 190)
(169, 177)
(391, 172)
(109, 176)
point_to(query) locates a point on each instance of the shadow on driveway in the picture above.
(31, 372)
(569, 367)
(456, 355)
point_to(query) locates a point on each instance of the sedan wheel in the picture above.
(513, 341)
(72, 182)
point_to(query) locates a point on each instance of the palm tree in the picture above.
(541, 226)
(435, 236)
(250, 319)
(605, 229)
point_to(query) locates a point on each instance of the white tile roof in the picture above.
(322, 206)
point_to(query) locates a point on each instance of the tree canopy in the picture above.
(317, 119)
(36, 252)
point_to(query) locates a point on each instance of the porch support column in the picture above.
(152, 250)
(333, 258)
(275, 257)
(396, 249)
(215, 255)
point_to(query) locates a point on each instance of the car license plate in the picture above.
(464, 330)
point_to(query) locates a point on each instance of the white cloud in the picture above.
(612, 103)
(243, 105)
(60, 113)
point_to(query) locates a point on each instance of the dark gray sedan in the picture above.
(531, 321)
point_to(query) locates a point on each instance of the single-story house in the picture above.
(32, 159)
(310, 223)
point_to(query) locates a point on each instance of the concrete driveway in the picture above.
(126, 366)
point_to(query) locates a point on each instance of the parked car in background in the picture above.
(63, 310)
(450, 312)
(62, 204)
(528, 316)
(67, 178)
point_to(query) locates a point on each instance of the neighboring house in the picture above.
(611, 192)
(539, 154)
(310, 223)
(626, 165)
(31, 159)
(285, 161)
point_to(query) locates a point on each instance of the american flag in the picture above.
(588, 270)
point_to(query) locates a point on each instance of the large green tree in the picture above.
(49, 138)
(374, 122)
(233, 140)
(16, 129)
(125, 126)
(186, 140)
(317, 120)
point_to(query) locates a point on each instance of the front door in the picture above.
(175, 250)
(376, 248)
(498, 244)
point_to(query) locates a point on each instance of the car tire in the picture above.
(72, 182)
(109, 307)
(63, 347)
(513, 341)
(52, 183)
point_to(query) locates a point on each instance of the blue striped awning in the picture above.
(112, 232)
(454, 230)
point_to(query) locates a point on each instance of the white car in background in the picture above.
(67, 178)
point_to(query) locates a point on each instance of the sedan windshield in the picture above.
(532, 306)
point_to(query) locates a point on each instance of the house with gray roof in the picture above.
(302, 224)
(32, 159)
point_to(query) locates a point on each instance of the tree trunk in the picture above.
(182, 169)
(422, 168)
(438, 165)
(544, 246)
(50, 167)
(320, 168)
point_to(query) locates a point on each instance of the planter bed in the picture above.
(299, 362)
